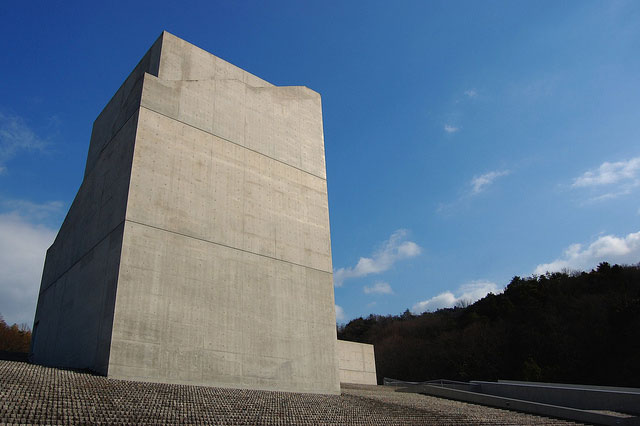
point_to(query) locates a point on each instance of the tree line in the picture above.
(14, 338)
(562, 327)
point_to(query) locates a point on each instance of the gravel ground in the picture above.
(31, 394)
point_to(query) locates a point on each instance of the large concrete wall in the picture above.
(357, 363)
(222, 273)
(72, 326)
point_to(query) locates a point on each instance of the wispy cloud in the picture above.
(16, 136)
(480, 183)
(378, 288)
(471, 93)
(610, 173)
(32, 211)
(475, 186)
(340, 316)
(450, 128)
(611, 195)
(467, 293)
(608, 248)
(610, 180)
(395, 248)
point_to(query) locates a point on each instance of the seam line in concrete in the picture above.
(203, 349)
(358, 371)
(224, 245)
(82, 257)
(230, 141)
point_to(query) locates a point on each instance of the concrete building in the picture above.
(197, 249)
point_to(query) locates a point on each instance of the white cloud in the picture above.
(16, 136)
(610, 173)
(610, 180)
(471, 93)
(340, 316)
(32, 211)
(450, 129)
(22, 249)
(394, 249)
(608, 248)
(467, 293)
(480, 183)
(24, 239)
(378, 288)
(443, 300)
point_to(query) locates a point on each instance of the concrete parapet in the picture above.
(596, 405)
(583, 397)
(357, 363)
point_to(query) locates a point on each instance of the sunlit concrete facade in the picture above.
(197, 249)
(357, 363)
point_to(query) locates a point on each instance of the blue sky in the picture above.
(466, 142)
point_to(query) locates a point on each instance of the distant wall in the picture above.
(357, 363)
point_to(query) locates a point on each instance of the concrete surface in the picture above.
(624, 400)
(571, 386)
(198, 247)
(525, 406)
(357, 363)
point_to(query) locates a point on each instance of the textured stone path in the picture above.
(32, 394)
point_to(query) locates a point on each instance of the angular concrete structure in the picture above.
(197, 249)
(357, 363)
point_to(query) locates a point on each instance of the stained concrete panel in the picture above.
(198, 247)
(357, 363)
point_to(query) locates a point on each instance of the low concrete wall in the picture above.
(357, 363)
(523, 406)
(584, 398)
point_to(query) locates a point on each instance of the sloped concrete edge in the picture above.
(522, 406)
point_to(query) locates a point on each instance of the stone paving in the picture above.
(31, 394)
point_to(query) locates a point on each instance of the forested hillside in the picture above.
(572, 328)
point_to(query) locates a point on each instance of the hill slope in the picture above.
(579, 328)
